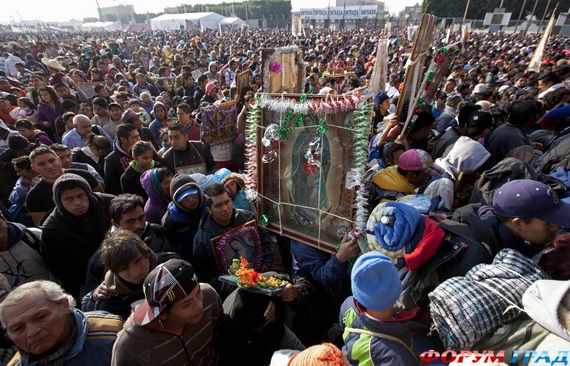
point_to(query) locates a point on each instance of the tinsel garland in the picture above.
(316, 106)
(251, 150)
(362, 118)
(245, 231)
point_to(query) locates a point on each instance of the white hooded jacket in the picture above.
(466, 156)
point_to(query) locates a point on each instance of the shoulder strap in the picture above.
(32, 240)
(382, 336)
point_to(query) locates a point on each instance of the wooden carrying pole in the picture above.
(414, 73)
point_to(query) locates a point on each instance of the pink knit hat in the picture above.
(210, 86)
(326, 354)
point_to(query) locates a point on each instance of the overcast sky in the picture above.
(56, 10)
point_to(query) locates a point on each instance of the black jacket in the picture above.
(69, 242)
(115, 165)
(131, 183)
(154, 237)
(80, 157)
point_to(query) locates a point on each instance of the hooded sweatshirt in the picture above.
(157, 124)
(180, 223)
(547, 302)
(466, 156)
(151, 345)
(157, 202)
(388, 179)
(115, 165)
(69, 241)
(240, 199)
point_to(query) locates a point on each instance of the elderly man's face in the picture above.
(36, 324)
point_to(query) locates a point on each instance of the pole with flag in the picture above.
(536, 60)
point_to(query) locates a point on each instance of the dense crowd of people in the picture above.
(111, 194)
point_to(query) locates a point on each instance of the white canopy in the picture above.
(101, 26)
(187, 21)
(232, 21)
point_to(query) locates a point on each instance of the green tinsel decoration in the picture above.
(251, 123)
(362, 120)
(323, 127)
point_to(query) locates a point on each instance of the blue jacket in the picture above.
(318, 266)
(368, 350)
(96, 334)
(18, 211)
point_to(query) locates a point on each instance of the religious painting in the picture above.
(283, 70)
(242, 241)
(219, 123)
(306, 168)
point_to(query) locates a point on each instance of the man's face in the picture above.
(133, 138)
(75, 201)
(65, 158)
(115, 113)
(4, 105)
(62, 91)
(100, 111)
(136, 271)
(221, 209)
(48, 166)
(27, 133)
(542, 86)
(28, 174)
(191, 202)
(160, 113)
(36, 324)
(4, 85)
(417, 179)
(189, 310)
(83, 127)
(133, 221)
(536, 231)
(177, 140)
(37, 82)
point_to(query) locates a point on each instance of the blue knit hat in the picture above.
(375, 281)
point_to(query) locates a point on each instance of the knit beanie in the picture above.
(375, 281)
(326, 354)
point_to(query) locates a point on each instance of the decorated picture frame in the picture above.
(306, 164)
(242, 241)
(283, 70)
(219, 123)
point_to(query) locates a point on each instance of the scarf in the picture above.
(133, 164)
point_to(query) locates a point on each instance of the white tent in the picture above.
(100, 26)
(232, 21)
(186, 21)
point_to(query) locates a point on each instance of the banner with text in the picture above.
(348, 12)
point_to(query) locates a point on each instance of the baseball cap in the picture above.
(416, 159)
(129, 115)
(165, 285)
(185, 193)
(480, 89)
(478, 121)
(529, 198)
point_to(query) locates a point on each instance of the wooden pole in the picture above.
(545, 11)
(466, 10)
(528, 23)
(520, 16)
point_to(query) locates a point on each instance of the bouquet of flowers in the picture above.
(248, 278)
